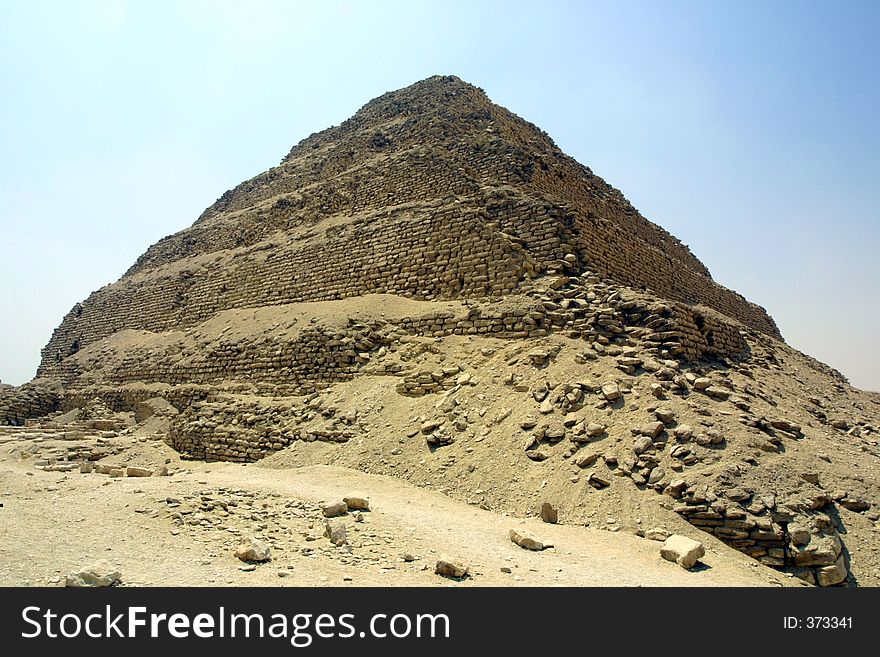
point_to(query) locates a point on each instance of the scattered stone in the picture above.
(334, 509)
(785, 425)
(440, 438)
(665, 415)
(642, 444)
(656, 475)
(611, 391)
(538, 357)
(715, 437)
(99, 574)
(431, 425)
(447, 404)
(683, 432)
(676, 488)
(86, 467)
(549, 513)
(595, 429)
(717, 392)
(702, 383)
(598, 482)
(252, 550)
(138, 472)
(446, 567)
(554, 432)
(651, 429)
(682, 550)
(356, 502)
(586, 460)
(527, 540)
(540, 393)
(856, 504)
(335, 530)
(657, 534)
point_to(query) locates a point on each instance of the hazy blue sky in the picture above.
(749, 129)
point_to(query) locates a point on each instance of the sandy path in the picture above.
(53, 523)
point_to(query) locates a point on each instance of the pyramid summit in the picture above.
(435, 291)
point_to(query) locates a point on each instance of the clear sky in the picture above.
(748, 129)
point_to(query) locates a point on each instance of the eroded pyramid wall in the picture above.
(430, 192)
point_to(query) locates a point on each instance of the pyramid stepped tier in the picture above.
(431, 192)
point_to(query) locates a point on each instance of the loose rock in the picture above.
(446, 567)
(252, 550)
(527, 541)
(651, 429)
(682, 550)
(594, 429)
(334, 509)
(611, 391)
(586, 460)
(549, 514)
(356, 502)
(657, 534)
(642, 444)
(99, 574)
(335, 530)
(702, 383)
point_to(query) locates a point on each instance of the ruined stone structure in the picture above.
(435, 215)
(431, 192)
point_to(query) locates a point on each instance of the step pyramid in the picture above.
(432, 289)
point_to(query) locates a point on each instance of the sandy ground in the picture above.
(53, 523)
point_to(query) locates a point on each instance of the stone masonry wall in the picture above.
(18, 404)
(440, 253)
(316, 356)
(430, 192)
